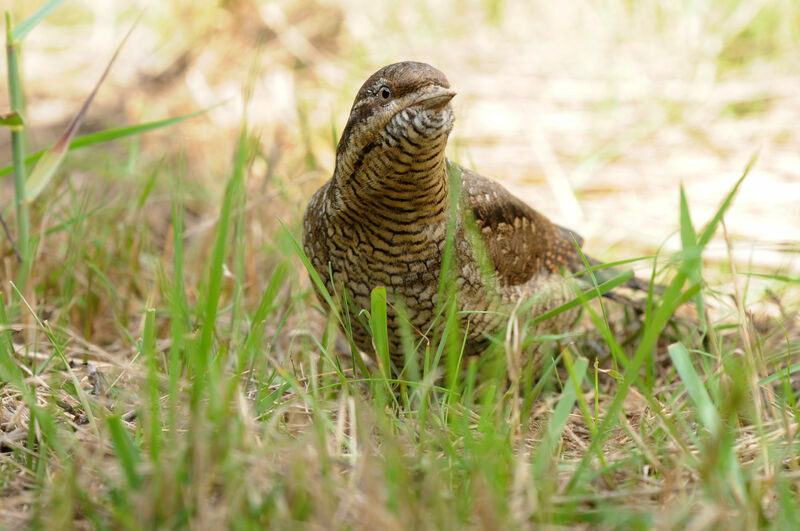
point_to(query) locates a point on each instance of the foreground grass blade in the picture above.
(23, 28)
(127, 453)
(691, 262)
(560, 416)
(214, 286)
(706, 411)
(380, 335)
(586, 296)
(51, 159)
(148, 350)
(312, 272)
(15, 98)
(110, 134)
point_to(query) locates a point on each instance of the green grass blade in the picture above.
(315, 278)
(781, 373)
(265, 306)
(44, 171)
(446, 279)
(16, 100)
(586, 296)
(46, 168)
(775, 277)
(111, 134)
(380, 335)
(179, 307)
(688, 234)
(559, 419)
(148, 349)
(23, 28)
(692, 263)
(126, 451)
(214, 287)
(706, 411)
(566, 402)
(712, 225)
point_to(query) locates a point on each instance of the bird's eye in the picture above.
(384, 92)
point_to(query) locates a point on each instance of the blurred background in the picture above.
(593, 111)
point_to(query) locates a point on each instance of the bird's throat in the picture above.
(389, 183)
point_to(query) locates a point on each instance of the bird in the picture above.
(382, 220)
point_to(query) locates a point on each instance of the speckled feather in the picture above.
(381, 220)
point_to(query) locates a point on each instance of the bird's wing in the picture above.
(519, 241)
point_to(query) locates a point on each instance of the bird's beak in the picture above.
(435, 99)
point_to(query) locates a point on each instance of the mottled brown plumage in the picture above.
(382, 219)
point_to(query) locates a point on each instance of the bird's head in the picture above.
(403, 105)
